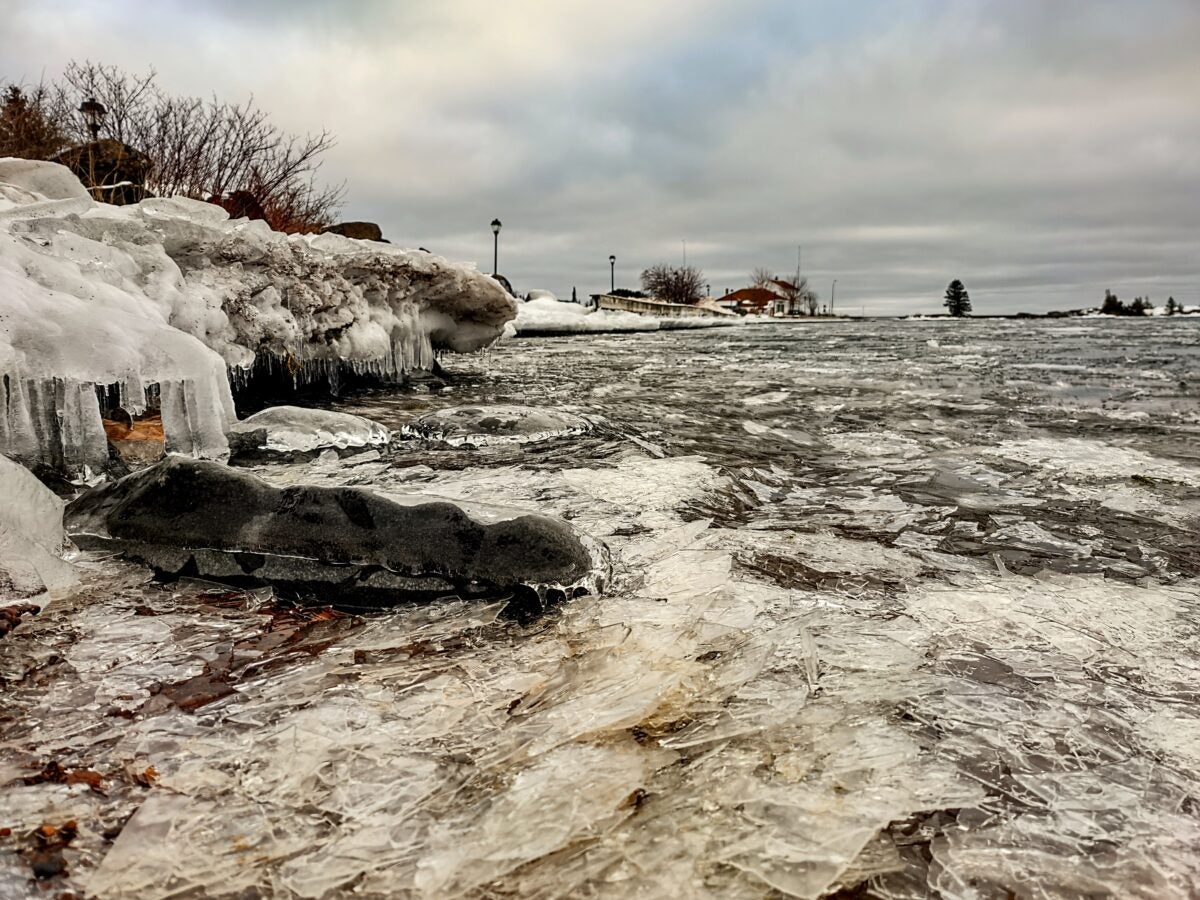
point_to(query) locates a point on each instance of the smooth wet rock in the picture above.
(291, 431)
(483, 425)
(190, 517)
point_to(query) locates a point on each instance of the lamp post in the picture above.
(612, 273)
(495, 245)
(93, 113)
(832, 296)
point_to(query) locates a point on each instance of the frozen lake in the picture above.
(898, 610)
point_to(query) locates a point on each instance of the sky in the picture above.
(1041, 151)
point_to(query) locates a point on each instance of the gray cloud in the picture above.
(1040, 152)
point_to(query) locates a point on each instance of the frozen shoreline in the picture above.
(162, 303)
(885, 614)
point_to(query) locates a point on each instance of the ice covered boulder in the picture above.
(31, 535)
(295, 431)
(481, 426)
(161, 303)
(347, 545)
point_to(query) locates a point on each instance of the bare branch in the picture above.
(205, 149)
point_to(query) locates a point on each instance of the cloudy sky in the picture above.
(1040, 150)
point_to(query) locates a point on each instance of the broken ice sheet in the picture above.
(575, 792)
(860, 713)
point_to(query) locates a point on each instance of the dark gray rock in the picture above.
(114, 172)
(363, 231)
(337, 545)
(240, 205)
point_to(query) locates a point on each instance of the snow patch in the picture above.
(548, 315)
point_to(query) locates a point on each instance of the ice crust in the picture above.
(480, 426)
(283, 429)
(169, 294)
(698, 733)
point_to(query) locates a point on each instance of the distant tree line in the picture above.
(1140, 306)
(204, 149)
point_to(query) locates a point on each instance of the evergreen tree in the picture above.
(1172, 306)
(26, 130)
(958, 301)
(1141, 306)
(1112, 306)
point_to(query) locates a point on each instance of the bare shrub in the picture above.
(682, 284)
(203, 149)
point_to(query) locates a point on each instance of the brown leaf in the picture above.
(94, 780)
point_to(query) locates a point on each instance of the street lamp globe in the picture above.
(495, 246)
(93, 113)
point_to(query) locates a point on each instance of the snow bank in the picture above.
(31, 535)
(545, 314)
(162, 298)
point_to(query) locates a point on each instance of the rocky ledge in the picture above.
(340, 545)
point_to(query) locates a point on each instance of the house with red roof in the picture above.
(751, 301)
(776, 298)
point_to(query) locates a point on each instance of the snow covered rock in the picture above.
(483, 425)
(37, 179)
(161, 302)
(31, 535)
(287, 430)
(185, 516)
